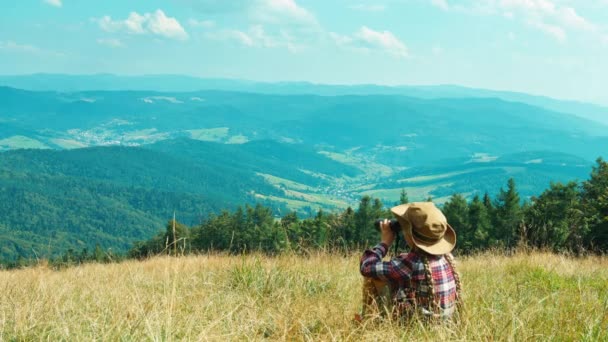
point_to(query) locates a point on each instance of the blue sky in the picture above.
(550, 47)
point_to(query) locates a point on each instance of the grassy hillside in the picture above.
(214, 297)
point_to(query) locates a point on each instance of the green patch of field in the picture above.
(340, 157)
(443, 199)
(322, 199)
(20, 141)
(209, 134)
(147, 135)
(318, 175)
(427, 178)
(68, 143)
(369, 167)
(291, 203)
(286, 183)
(419, 193)
(237, 139)
(141, 134)
(301, 200)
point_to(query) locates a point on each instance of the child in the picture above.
(422, 281)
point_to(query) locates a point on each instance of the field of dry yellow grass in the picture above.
(537, 296)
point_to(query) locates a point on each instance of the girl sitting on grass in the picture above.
(422, 281)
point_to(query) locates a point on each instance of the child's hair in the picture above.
(428, 273)
(450, 260)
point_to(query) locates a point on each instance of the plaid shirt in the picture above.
(406, 275)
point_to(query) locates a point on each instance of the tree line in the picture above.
(565, 217)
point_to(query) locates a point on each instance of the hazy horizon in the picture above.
(236, 79)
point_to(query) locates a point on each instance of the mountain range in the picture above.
(181, 83)
(107, 159)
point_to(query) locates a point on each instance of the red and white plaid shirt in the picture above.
(407, 277)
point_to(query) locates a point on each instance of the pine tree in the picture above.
(479, 222)
(403, 199)
(487, 202)
(508, 216)
(552, 215)
(595, 206)
(456, 212)
(290, 226)
(348, 227)
(364, 218)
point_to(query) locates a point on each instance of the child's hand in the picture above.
(386, 234)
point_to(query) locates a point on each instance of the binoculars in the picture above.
(394, 224)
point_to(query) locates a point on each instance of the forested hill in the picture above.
(204, 151)
(265, 156)
(409, 131)
(568, 216)
(54, 200)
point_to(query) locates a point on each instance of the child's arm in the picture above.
(372, 265)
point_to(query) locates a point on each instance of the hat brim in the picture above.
(399, 211)
(443, 246)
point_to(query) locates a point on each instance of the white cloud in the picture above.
(56, 3)
(257, 37)
(217, 6)
(368, 7)
(240, 37)
(156, 23)
(110, 42)
(11, 46)
(552, 17)
(135, 23)
(162, 25)
(107, 24)
(282, 11)
(269, 23)
(382, 39)
(546, 9)
(258, 11)
(369, 40)
(569, 17)
(341, 40)
(261, 38)
(443, 4)
(548, 16)
(553, 30)
(529, 5)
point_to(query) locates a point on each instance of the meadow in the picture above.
(527, 296)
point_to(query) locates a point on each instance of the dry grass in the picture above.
(524, 297)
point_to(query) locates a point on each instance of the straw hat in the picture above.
(426, 226)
